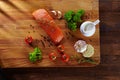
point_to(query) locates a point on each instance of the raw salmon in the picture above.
(48, 24)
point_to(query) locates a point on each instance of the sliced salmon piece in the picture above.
(48, 24)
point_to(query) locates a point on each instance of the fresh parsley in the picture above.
(73, 18)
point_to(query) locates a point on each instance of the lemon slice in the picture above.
(89, 51)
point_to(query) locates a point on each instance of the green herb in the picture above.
(82, 60)
(72, 57)
(72, 26)
(82, 12)
(73, 18)
(35, 55)
(78, 15)
(89, 60)
(69, 15)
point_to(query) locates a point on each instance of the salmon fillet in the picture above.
(48, 24)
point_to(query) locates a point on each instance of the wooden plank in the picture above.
(107, 70)
(17, 20)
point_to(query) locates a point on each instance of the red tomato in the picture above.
(52, 56)
(65, 57)
(28, 40)
(60, 48)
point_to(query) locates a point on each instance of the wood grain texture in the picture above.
(17, 22)
(109, 68)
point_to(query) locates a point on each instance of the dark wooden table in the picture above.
(109, 69)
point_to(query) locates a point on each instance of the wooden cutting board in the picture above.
(16, 22)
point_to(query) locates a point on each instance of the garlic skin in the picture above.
(80, 46)
(57, 14)
(54, 12)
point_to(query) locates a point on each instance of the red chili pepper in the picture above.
(65, 57)
(52, 56)
(28, 40)
(60, 48)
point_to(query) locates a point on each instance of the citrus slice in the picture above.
(89, 51)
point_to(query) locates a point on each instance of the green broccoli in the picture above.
(35, 55)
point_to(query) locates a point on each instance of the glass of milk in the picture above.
(88, 28)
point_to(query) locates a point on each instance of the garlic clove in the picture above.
(59, 14)
(54, 12)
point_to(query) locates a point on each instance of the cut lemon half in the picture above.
(89, 51)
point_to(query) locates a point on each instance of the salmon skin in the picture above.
(48, 24)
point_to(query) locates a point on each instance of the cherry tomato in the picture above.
(65, 57)
(28, 40)
(52, 56)
(60, 48)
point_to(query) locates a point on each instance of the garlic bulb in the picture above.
(80, 46)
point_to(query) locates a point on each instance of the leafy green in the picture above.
(72, 26)
(82, 12)
(68, 15)
(35, 55)
(73, 18)
(76, 17)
